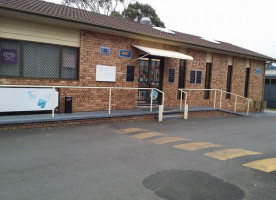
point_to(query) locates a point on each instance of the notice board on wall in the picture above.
(27, 99)
(105, 73)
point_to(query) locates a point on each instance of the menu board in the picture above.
(171, 75)
(130, 73)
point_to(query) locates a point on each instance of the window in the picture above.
(208, 80)
(246, 82)
(273, 81)
(229, 80)
(195, 77)
(181, 76)
(38, 60)
(267, 81)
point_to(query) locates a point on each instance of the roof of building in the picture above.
(83, 16)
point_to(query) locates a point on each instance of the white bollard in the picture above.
(160, 114)
(186, 111)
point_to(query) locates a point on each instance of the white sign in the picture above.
(27, 99)
(105, 73)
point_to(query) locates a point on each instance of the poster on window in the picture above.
(69, 61)
(9, 56)
(27, 99)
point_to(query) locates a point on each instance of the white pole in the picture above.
(181, 98)
(109, 105)
(220, 101)
(235, 109)
(53, 102)
(186, 98)
(160, 114)
(151, 95)
(215, 99)
(186, 111)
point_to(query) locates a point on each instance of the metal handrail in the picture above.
(223, 91)
(185, 103)
(80, 87)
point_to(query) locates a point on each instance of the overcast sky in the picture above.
(247, 23)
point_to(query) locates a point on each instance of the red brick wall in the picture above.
(219, 79)
(170, 89)
(90, 56)
(195, 98)
(256, 81)
(88, 122)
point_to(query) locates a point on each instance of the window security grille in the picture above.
(38, 60)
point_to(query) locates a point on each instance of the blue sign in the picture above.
(154, 95)
(125, 53)
(258, 71)
(41, 103)
(105, 51)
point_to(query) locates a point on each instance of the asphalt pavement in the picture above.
(231, 158)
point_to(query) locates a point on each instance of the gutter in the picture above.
(124, 31)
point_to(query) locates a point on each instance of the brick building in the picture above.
(61, 46)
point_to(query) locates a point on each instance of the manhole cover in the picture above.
(191, 185)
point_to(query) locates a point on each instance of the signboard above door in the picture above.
(125, 53)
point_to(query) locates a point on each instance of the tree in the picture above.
(136, 11)
(99, 6)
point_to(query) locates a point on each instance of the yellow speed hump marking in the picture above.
(146, 135)
(196, 146)
(165, 140)
(227, 154)
(129, 130)
(265, 165)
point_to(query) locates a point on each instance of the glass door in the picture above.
(149, 77)
(143, 81)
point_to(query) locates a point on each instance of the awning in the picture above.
(163, 53)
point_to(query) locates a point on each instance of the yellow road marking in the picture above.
(146, 135)
(165, 140)
(196, 146)
(230, 153)
(265, 165)
(129, 130)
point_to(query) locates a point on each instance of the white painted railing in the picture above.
(108, 88)
(185, 103)
(220, 100)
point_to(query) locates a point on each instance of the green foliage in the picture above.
(116, 14)
(136, 11)
(99, 6)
